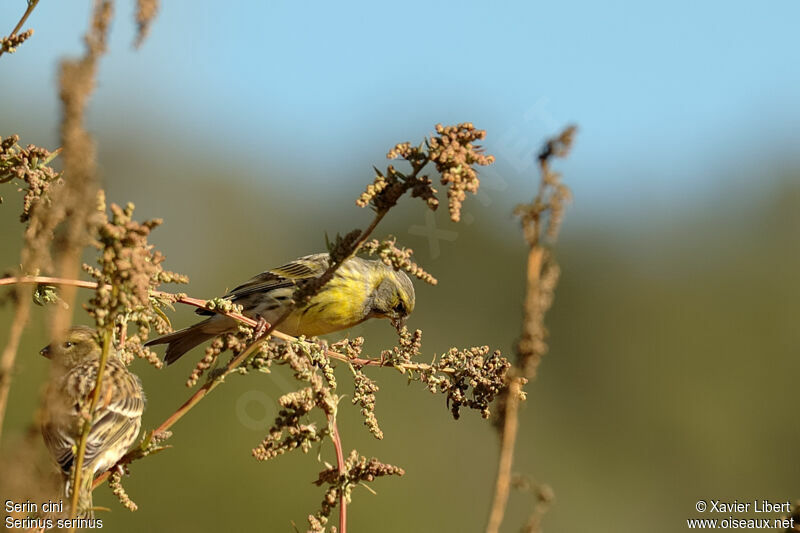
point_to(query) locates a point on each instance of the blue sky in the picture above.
(674, 101)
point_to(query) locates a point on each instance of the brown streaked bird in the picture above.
(115, 422)
(359, 290)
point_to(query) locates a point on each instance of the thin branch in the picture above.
(541, 276)
(76, 84)
(31, 6)
(508, 436)
(337, 444)
(47, 280)
(87, 426)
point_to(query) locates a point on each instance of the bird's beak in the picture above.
(45, 351)
(398, 323)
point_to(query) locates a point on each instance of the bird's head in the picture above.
(79, 345)
(394, 297)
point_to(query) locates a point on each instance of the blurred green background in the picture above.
(672, 373)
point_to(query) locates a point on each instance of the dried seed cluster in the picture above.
(546, 212)
(365, 388)
(470, 378)
(236, 342)
(289, 431)
(31, 166)
(341, 247)
(453, 153)
(364, 396)
(316, 353)
(292, 429)
(359, 470)
(398, 258)
(9, 44)
(541, 219)
(408, 347)
(351, 348)
(129, 269)
(478, 377)
(115, 484)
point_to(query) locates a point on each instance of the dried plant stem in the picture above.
(47, 280)
(508, 437)
(337, 444)
(76, 84)
(77, 472)
(12, 347)
(541, 276)
(503, 481)
(514, 394)
(31, 6)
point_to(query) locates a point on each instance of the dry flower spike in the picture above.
(10, 44)
(452, 152)
(129, 272)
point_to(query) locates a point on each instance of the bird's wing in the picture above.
(303, 268)
(118, 415)
(111, 432)
(59, 440)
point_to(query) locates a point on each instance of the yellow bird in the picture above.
(359, 290)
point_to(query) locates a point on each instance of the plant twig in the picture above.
(87, 426)
(508, 439)
(513, 397)
(541, 278)
(76, 84)
(31, 6)
(47, 280)
(337, 444)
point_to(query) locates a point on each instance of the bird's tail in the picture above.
(184, 340)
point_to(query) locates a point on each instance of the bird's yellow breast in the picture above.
(343, 303)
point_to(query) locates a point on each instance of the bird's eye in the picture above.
(67, 344)
(400, 308)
